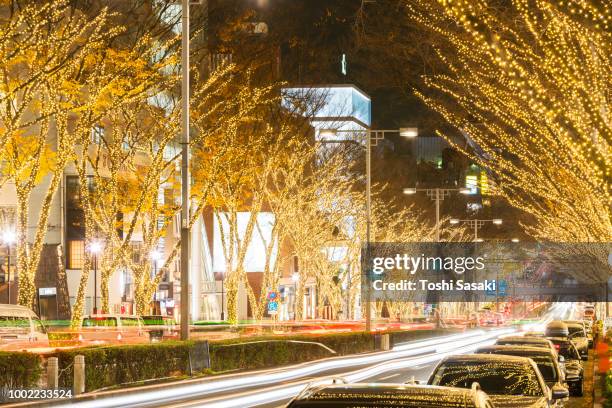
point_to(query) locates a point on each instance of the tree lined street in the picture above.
(225, 202)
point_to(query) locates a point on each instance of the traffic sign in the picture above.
(272, 307)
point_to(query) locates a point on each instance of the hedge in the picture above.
(242, 354)
(19, 369)
(114, 365)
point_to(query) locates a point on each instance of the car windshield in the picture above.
(367, 400)
(567, 350)
(576, 331)
(521, 343)
(100, 322)
(39, 326)
(546, 366)
(15, 323)
(129, 321)
(158, 320)
(353, 403)
(494, 377)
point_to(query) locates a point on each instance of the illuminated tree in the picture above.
(119, 134)
(528, 85)
(44, 48)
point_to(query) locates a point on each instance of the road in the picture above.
(273, 388)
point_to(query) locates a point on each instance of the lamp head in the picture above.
(454, 221)
(155, 255)
(9, 237)
(295, 277)
(497, 221)
(328, 132)
(410, 190)
(410, 132)
(95, 247)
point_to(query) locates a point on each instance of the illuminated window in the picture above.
(97, 133)
(76, 254)
(471, 183)
(484, 184)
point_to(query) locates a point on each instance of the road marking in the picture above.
(390, 376)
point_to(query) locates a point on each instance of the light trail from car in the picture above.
(268, 377)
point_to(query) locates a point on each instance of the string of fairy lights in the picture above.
(531, 88)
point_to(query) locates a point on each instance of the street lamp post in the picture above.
(185, 230)
(372, 138)
(155, 256)
(185, 179)
(476, 224)
(8, 237)
(295, 278)
(437, 195)
(222, 296)
(95, 248)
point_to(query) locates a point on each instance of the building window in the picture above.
(97, 133)
(75, 224)
(296, 265)
(76, 255)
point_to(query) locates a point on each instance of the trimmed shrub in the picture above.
(243, 354)
(19, 369)
(114, 365)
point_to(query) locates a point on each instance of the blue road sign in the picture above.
(272, 306)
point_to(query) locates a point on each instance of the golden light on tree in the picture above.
(528, 84)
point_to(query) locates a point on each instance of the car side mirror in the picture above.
(561, 359)
(559, 392)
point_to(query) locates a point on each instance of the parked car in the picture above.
(589, 313)
(508, 380)
(20, 329)
(533, 333)
(390, 395)
(556, 328)
(578, 335)
(109, 328)
(545, 359)
(160, 327)
(526, 341)
(574, 371)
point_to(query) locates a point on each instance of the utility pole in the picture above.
(368, 305)
(377, 135)
(437, 195)
(185, 179)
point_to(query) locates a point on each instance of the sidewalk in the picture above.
(601, 367)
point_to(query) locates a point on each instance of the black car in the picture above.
(510, 382)
(574, 372)
(545, 359)
(389, 395)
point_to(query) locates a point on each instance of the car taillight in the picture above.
(557, 347)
